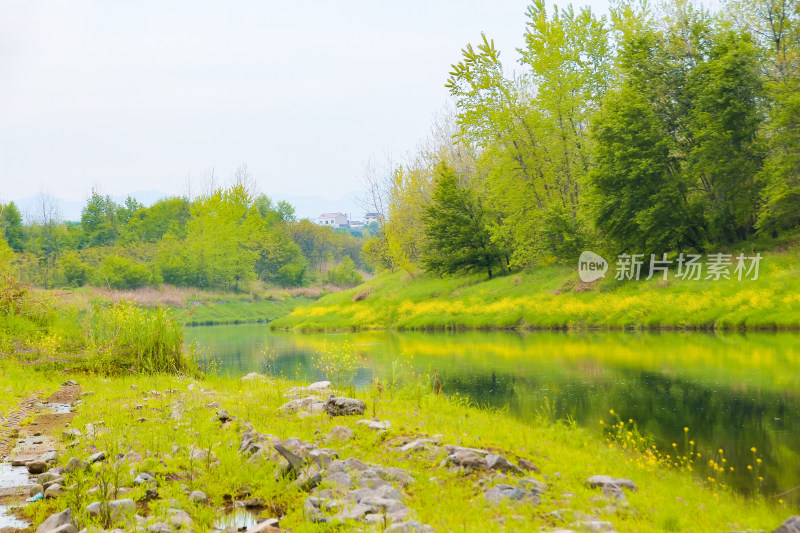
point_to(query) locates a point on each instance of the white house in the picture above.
(333, 220)
(369, 218)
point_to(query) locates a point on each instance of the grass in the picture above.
(669, 498)
(552, 297)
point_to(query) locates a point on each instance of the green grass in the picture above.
(554, 297)
(239, 309)
(669, 498)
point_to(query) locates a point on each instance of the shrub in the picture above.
(122, 273)
(124, 337)
(345, 274)
(73, 270)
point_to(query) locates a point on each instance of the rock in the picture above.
(97, 457)
(70, 383)
(308, 480)
(451, 449)
(270, 524)
(410, 526)
(527, 465)
(74, 464)
(600, 481)
(36, 467)
(59, 480)
(198, 496)
(254, 376)
(47, 476)
(55, 521)
(322, 457)
(159, 527)
(35, 489)
(72, 433)
(180, 519)
(417, 445)
(502, 492)
(213, 405)
(375, 425)
(253, 503)
(87, 393)
(501, 464)
(143, 478)
(296, 462)
(53, 491)
(595, 525)
(468, 459)
(790, 525)
(223, 416)
(340, 433)
(344, 406)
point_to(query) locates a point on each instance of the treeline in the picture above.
(221, 240)
(648, 131)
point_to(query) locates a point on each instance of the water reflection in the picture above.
(733, 392)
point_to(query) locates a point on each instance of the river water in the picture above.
(733, 392)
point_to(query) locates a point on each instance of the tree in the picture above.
(99, 220)
(457, 238)
(224, 236)
(11, 225)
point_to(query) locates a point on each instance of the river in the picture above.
(734, 392)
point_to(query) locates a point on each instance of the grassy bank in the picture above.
(554, 297)
(165, 420)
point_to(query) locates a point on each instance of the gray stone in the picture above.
(790, 525)
(600, 481)
(53, 491)
(47, 476)
(501, 464)
(527, 465)
(296, 462)
(159, 527)
(467, 459)
(418, 445)
(35, 489)
(72, 433)
(143, 478)
(36, 467)
(502, 492)
(59, 480)
(339, 480)
(55, 521)
(70, 383)
(375, 425)
(198, 496)
(410, 526)
(74, 464)
(340, 433)
(344, 406)
(223, 416)
(254, 376)
(97, 457)
(66, 528)
(595, 525)
(322, 458)
(270, 524)
(180, 519)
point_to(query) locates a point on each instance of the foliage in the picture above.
(126, 338)
(345, 274)
(122, 273)
(457, 237)
(74, 271)
(339, 364)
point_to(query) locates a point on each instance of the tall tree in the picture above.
(457, 238)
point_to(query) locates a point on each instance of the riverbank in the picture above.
(553, 297)
(166, 438)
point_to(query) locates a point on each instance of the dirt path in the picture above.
(21, 444)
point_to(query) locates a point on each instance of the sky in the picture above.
(143, 96)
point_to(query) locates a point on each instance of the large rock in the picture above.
(376, 425)
(410, 526)
(501, 464)
(180, 519)
(467, 459)
(344, 406)
(790, 525)
(502, 492)
(53, 491)
(36, 467)
(198, 496)
(340, 433)
(96, 458)
(602, 481)
(55, 521)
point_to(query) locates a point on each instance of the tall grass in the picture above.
(124, 337)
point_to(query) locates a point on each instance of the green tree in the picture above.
(457, 238)
(11, 225)
(99, 220)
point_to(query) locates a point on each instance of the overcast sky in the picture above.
(129, 96)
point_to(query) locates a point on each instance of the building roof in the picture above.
(329, 215)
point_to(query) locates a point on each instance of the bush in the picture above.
(74, 271)
(345, 274)
(124, 338)
(122, 273)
